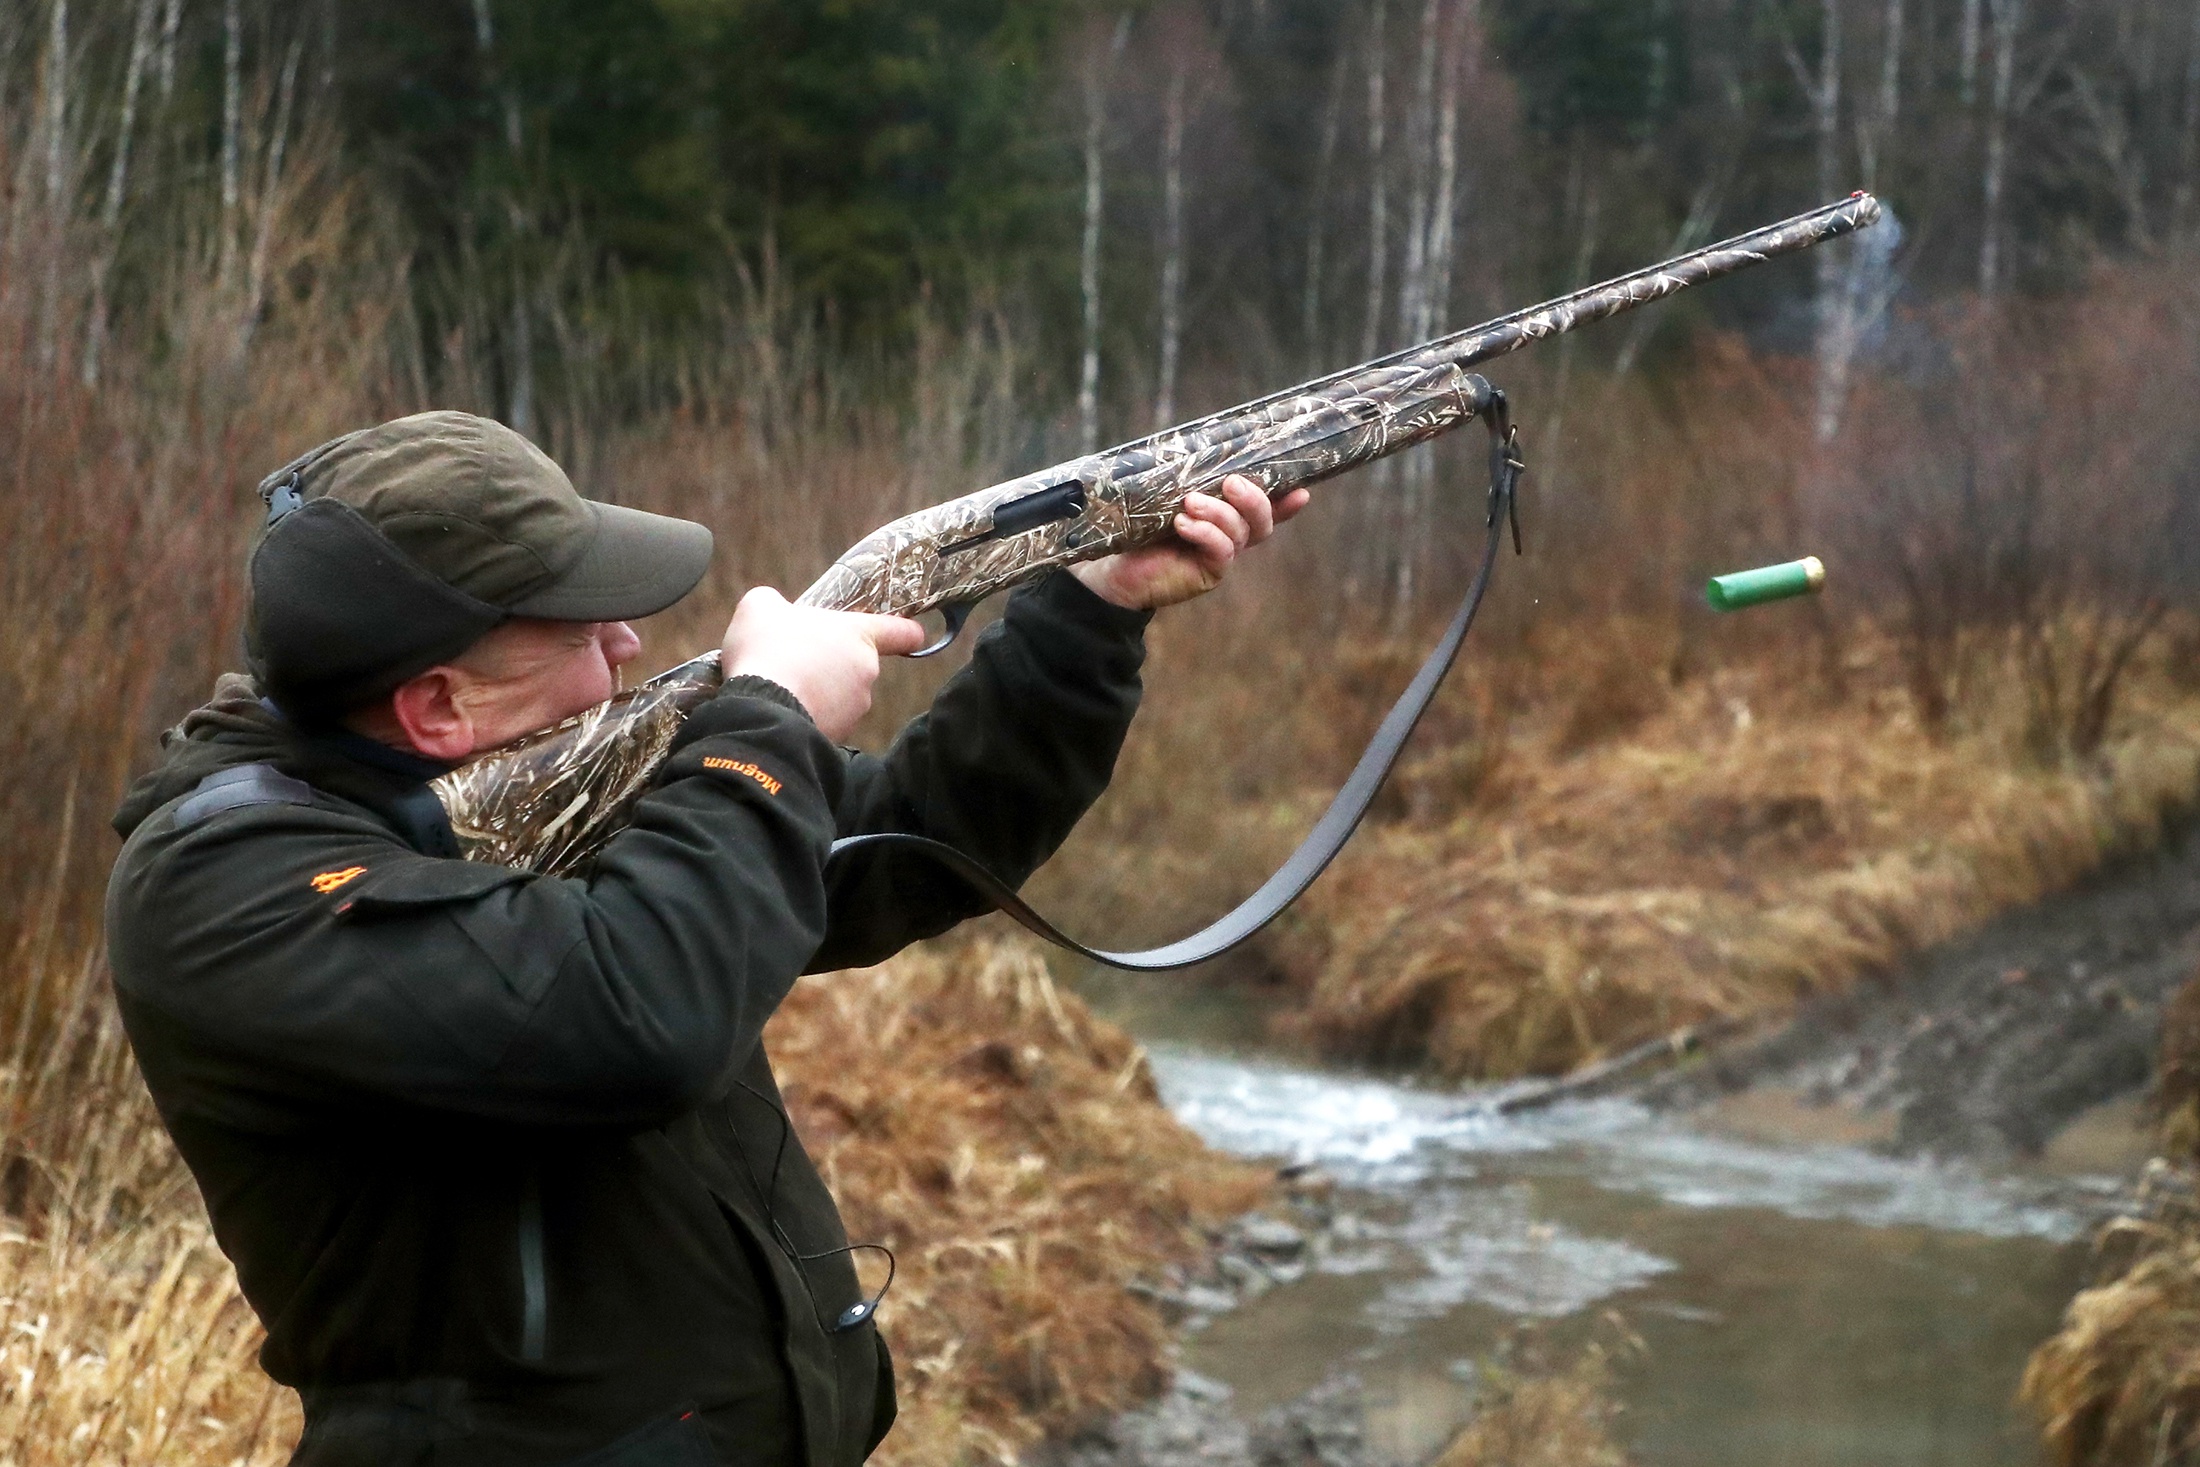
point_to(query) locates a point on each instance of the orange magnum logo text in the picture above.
(737, 766)
(328, 881)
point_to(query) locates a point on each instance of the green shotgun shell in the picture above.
(1766, 583)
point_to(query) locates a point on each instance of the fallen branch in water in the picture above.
(1605, 1076)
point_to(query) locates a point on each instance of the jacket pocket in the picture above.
(677, 1440)
(390, 1424)
(884, 1406)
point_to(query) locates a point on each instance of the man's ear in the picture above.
(434, 718)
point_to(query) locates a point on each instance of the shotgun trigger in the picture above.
(952, 617)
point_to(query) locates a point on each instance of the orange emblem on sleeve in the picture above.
(328, 881)
(742, 766)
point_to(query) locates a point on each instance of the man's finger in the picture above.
(1251, 501)
(895, 636)
(1220, 513)
(764, 596)
(1288, 506)
(1209, 541)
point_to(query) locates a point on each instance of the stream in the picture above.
(1801, 1300)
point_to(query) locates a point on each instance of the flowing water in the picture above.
(1800, 1303)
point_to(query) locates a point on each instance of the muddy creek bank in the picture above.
(2018, 1041)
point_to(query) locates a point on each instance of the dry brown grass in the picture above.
(1725, 847)
(2119, 1386)
(1012, 1151)
(123, 1337)
(1536, 1414)
(2119, 1383)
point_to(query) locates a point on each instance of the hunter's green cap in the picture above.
(396, 547)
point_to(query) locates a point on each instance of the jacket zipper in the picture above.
(534, 1290)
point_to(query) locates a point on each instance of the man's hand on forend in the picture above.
(827, 659)
(1210, 532)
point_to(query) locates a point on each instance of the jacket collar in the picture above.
(238, 726)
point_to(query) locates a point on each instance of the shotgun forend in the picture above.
(547, 802)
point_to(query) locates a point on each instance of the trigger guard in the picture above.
(954, 614)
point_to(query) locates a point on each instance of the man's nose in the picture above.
(620, 643)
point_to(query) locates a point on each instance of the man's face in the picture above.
(527, 675)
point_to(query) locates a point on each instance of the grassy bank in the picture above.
(1617, 856)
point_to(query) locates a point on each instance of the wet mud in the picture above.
(2030, 1036)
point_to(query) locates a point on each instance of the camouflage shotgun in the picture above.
(547, 802)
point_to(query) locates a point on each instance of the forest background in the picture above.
(792, 268)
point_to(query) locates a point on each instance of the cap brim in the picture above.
(637, 565)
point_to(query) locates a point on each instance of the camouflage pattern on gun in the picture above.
(547, 802)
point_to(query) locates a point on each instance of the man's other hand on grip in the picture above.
(1209, 532)
(827, 659)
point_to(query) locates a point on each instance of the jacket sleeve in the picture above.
(296, 954)
(1014, 750)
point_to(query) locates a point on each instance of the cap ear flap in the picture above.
(340, 615)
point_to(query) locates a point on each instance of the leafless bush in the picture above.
(2029, 502)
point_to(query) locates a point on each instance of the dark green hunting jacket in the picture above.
(499, 1157)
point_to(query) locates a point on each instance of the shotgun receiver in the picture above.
(547, 802)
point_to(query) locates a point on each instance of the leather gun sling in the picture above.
(1346, 810)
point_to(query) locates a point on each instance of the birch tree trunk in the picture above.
(1855, 281)
(171, 21)
(58, 169)
(2188, 138)
(1967, 52)
(1833, 307)
(1583, 211)
(232, 125)
(271, 180)
(520, 332)
(1875, 135)
(1413, 279)
(133, 77)
(1444, 216)
(57, 104)
(1378, 202)
(1825, 106)
(1432, 288)
(2007, 17)
(1317, 215)
(118, 170)
(1172, 244)
(1097, 70)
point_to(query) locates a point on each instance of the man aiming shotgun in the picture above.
(499, 1158)
(495, 1147)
